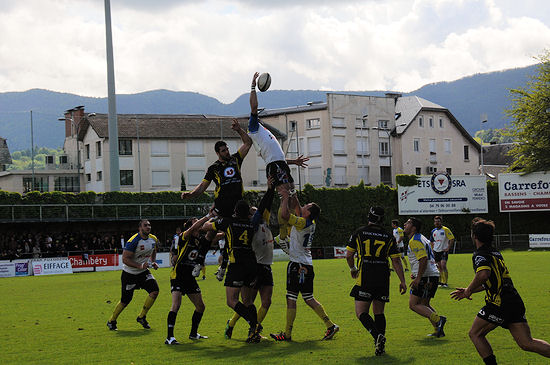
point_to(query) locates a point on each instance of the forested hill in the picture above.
(466, 98)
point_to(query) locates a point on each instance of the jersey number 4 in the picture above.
(244, 238)
(373, 246)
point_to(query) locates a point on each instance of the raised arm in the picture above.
(247, 141)
(196, 226)
(253, 96)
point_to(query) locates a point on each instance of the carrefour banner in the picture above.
(524, 193)
(442, 193)
(52, 266)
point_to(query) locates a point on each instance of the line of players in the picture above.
(249, 270)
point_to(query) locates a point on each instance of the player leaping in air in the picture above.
(272, 153)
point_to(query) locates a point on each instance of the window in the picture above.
(363, 174)
(431, 122)
(362, 146)
(338, 122)
(466, 153)
(466, 173)
(416, 145)
(126, 176)
(125, 148)
(313, 123)
(440, 122)
(420, 122)
(384, 148)
(385, 175)
(160, 147)
(194, 177)
(339, 175)
(418, 171)
(315, 176)
(40, 184)
(447, 144)
(87, 151)
(262, 179)
(63, 159)
(339, 145)
(88, 177)
(99, 175)
(68, 184)
(383, 124)
(98, 149)
(314, 146)
(160, 178)
(432, 146)
(49, 160)
(360, 123)
(449, 170)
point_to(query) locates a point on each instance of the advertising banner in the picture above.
(524, 193)
(443, 194)
(539, 240)
(7, 269)
(22, 268)
(85, 260)
(340, 252)
(52, 266)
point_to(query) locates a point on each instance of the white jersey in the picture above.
(301, 236)
(262, 244)
(419, 247)
(142, 248)
(267, 145)
(441, 238)
(398, 234)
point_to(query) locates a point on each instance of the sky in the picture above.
(214, 47)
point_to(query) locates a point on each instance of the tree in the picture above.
(183, 185)
(531, 121)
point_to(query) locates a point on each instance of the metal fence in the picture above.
(91, 212)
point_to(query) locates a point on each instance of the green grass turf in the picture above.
(62, 320)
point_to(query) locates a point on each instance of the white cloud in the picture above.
(214, 47)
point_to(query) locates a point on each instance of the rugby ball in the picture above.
(264, 81)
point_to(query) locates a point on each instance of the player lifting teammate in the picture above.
(190, 252)
(299, 272)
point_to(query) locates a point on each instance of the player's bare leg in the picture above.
(283, 224)
(480, 328)
(522, 334)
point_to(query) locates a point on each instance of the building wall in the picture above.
(449, 147)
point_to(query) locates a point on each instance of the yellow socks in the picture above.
(146, 306)
(434, 318)
(323, 315)
(119, 307)
(290, 317)
(234, 319)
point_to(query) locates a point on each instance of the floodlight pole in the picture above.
(112, 119)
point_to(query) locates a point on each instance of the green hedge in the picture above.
(343, 210)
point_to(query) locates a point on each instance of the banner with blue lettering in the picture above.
(442, 193)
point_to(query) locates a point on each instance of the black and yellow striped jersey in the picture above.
(190, 252)
(227, 177)
(373, 246)
(238, 238)
(499, 286)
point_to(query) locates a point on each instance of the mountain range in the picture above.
(467, 98)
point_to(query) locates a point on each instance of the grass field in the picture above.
(61, 320)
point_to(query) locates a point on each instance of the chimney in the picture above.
(395, 96)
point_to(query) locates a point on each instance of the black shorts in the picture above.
(225, 207)
(264, 276)
(441, 256)
(299, 278)
(240, 274)
(427, 287)
(184, 282)
(367, 294)
(280, 172)
(131, 282)
(509, 312)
